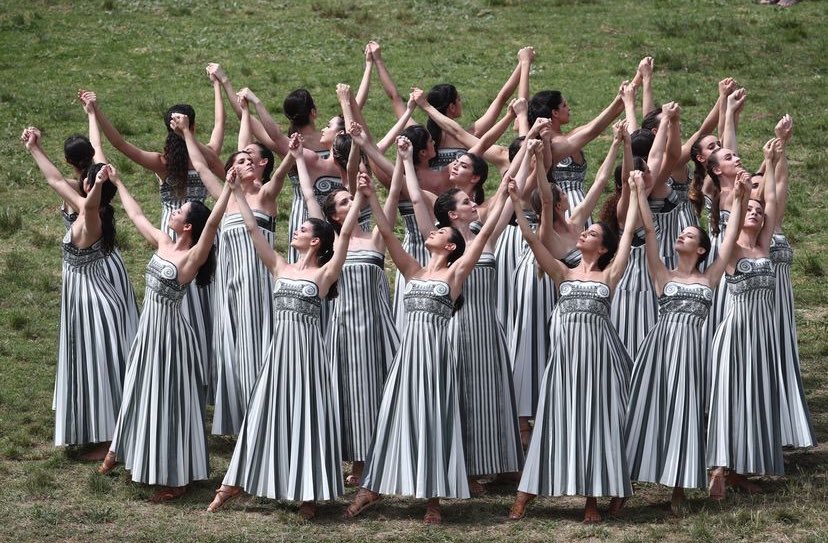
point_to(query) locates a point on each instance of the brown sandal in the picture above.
(716, 488)
(307, 510)
(433, 516)
(224, 494)
(167, 493)
(363, 500)
(518, 510)
(109, 463)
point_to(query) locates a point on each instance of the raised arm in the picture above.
(88, 100)
(628, 97)
(180, 123)
(133, 210)
(423, 210)
(449, 125)
(272, 188)
(305, 183)
(645, 68)
(551, 265)
(523, 86)
(735, 103)
(378, 159)
(658, 271)
(726, 87)
(270, 258)
(147, 159)
(584, 210)
(398, 127)
(783, 130)
(657, 159)
(273, 136)
(31, 138)
(217, 136)
(91, 225)
(407, 265)
(772, 151)
(626, 167)
(738, 209)
(579, 137)
(619, 263)
(365, 82)
(485, 146)
(199, 252)
(482, 125)
(385, 79)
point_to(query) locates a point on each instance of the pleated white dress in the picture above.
(289, 446)
(743, 432)
(242, 323)
(96, 330)
(665, 416)
(491, 437)
(417, 448)
(578, 445)
(363, 340)
(414, 244)
(797, 429)
(635, 304)
(161, 432)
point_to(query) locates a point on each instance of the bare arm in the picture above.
(784, 130)
(772, 151)
(584, 210)
(31, 139)
(398, 127)
(273, 188)
(423, 211)
(628, 97)
(217, 136)
(619, 263)
(658, 271)
(133, 210)
(385, 79)
(741, 194)
(199, 252)
(181, 124)
(484, 123)
(272, 260)
(645, 68)
(709, 122)
(735, 103)
(273, 136)
(88, 100)
(331, 270)
(579, 137)
(404, 261)
(365, 83)
(305, 182)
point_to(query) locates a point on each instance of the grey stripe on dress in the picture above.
(634, 306)
(414, 244)
(242, 320)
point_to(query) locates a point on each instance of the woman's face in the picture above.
(178, 218)
(563, 200)
(707, 146)
(303, 237)
(591, 240)
(329, 132)
(455, 109)
(245, 162)
(562, 113)
(689, 240)
(755, 217)
(729, 163)
(438, 240)
(461, 171)
(342, 204)
(465, 210)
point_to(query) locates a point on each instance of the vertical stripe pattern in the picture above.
(665, 418)
(363, 341)
(635, 306)
(288, 446)
(160, 435)
(491, 438)
(721, 301)
(743, 432)
(797, 430)
(578, 445)
(242, 324)
(417, 448)
(95, 335)
(414, 244)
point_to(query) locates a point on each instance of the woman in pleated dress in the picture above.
(417, 448)
(578, 445)
(665, 417)
(743, 441)
(95, 331)
(289, 446)
(488, 412)
(797, 429)
(160, 435)
(362, 337)
(178, 183)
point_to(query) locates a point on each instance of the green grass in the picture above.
(140, 56)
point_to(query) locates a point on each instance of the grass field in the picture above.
(142, 56)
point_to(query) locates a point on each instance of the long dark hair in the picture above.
(298, 106)
(325, 232)
(419, 137)
(440, 97)
(443, 205)
(329, 209)
(609, 239)
(78, 151)
(712, 162)
(106, 212)
(197, 217)
(176, 157)
(542, 104)
(481, 169)
(609, 211)
(695, 193)
(704, 242)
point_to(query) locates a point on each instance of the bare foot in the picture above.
(356, 474)
(476, 489)
(364, 499)
(740, 481)
(716, 488)
(167, 493)
(615, 506)
(519, 507)
(525, 431)
(591, 514)
(676, 500)
(97, 454)
(109, 463)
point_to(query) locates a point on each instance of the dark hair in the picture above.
(712, 162)
(341, 149)
(325, 232)
(515, 146)
(268, 155)
(704, 242)
(329, 209)
(481, 169)
(298, 106)
(641, 141)
(78, 151)
(176, 157)
(443, 205)
(542, 104)
(197, 218)
(651, 119)
(609, 239)
(695, 193)
(106, 212)
(609, 212)
(419, 137)
(440, 97)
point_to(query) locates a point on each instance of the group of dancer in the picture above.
(526, 342)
